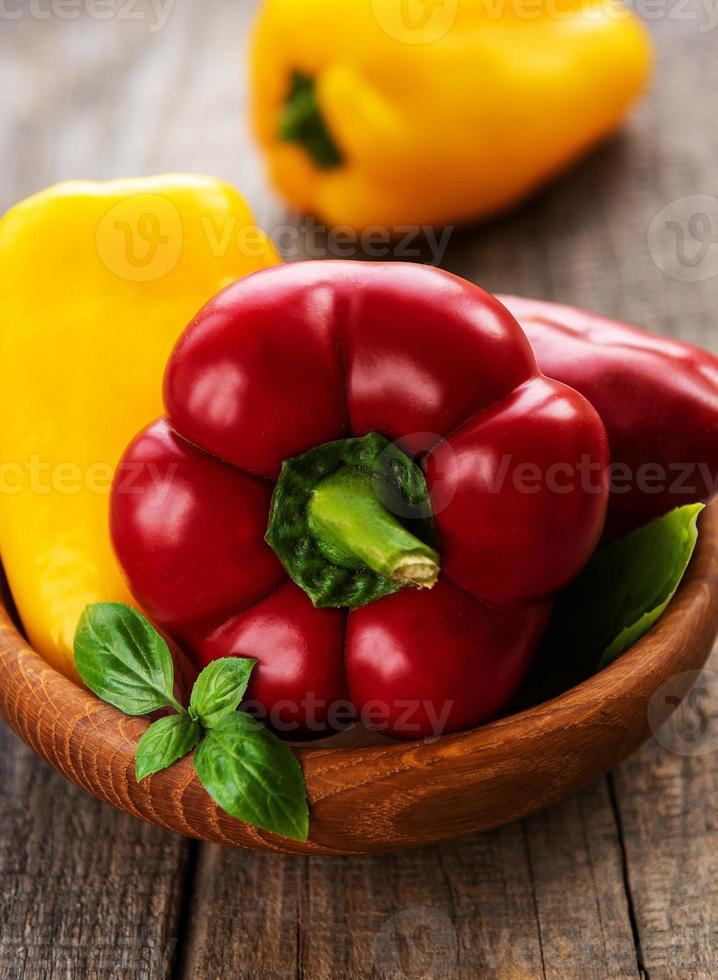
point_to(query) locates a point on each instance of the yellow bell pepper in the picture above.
(98, 281)
(394, 112)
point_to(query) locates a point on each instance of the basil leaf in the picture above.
(164, 742)
(253, 776)
(219, 689)
(621, 593)
(123, 659)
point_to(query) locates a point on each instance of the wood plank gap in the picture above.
(303, 872)
(534, 897)
(188, 889)
(626, 878)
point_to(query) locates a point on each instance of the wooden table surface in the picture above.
(621, 880)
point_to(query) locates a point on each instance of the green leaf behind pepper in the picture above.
(652, 562)
(618, 597)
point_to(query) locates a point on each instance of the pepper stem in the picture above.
(301, 121)
(352, 528)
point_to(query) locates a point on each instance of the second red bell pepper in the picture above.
(364, 482)
(658, 398)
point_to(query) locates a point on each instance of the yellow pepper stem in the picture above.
(302, 122)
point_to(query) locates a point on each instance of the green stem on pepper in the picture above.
(301, 121)
(353, 528)
(351, 522)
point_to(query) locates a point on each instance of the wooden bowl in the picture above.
(390, 796)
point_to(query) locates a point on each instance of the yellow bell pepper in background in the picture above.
(97, 282)
(394, 112)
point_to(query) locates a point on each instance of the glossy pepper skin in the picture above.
(658, 399)
(98, 280)
(386, 113)
(309, 353)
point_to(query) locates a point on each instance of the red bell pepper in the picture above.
(658, 399)
(340, 491)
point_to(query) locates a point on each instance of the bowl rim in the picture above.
(93, 744)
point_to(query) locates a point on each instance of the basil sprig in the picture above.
(245, 768)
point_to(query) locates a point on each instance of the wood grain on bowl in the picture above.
(390, 796)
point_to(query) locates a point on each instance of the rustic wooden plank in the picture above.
(540, 898)
(245, 916)
(581, 904)
(667, 798)
(84, 890)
